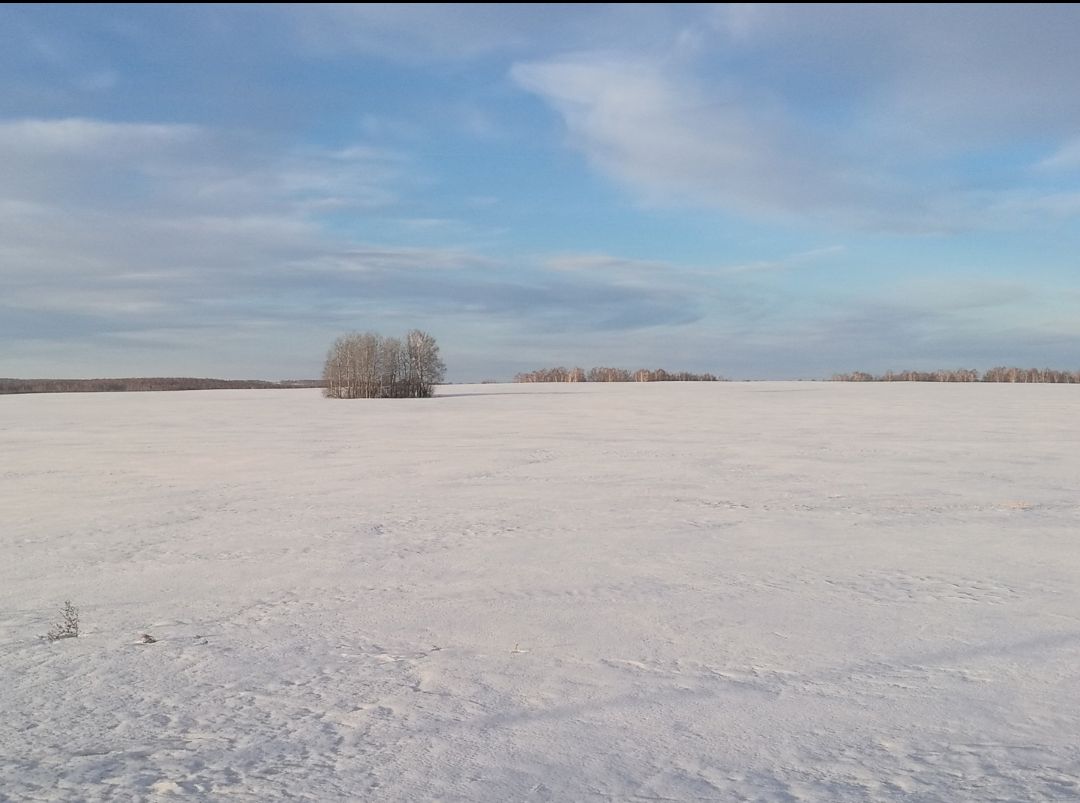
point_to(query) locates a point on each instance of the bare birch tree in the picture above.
(425, 366)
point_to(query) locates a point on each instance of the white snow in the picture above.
(744, 591)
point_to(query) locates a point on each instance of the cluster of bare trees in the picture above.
(370, 366)
(1003, 374)
(558, 374)
(957, 375)
(561, 374)
(143, 383)
(1000, 374)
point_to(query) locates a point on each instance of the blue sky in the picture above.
(761, 192)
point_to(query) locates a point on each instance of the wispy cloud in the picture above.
(80, 137)
(795, 188)
(801, 259)
(423, 34)
(662, 134)
(1067, 157)
(192, 231)
(843, 116)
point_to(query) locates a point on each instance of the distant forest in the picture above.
(561, 374)
(1000, 374)
(144, 383)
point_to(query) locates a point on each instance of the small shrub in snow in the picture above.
(69, 626)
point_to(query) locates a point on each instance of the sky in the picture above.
(756, 191)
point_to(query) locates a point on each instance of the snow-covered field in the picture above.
(745, 591)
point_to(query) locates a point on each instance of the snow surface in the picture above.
(745, 591)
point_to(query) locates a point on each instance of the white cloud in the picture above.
(80, 136)
(433, 33)
(661, 131)
(910, 120)
(957, 74)
(658, 131)
(791, 261)
(1067, 157)
(860, 117)
(99, 81)
(186, 232)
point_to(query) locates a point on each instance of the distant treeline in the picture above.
(1000, 374)
(144, 383)
(561, 374)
